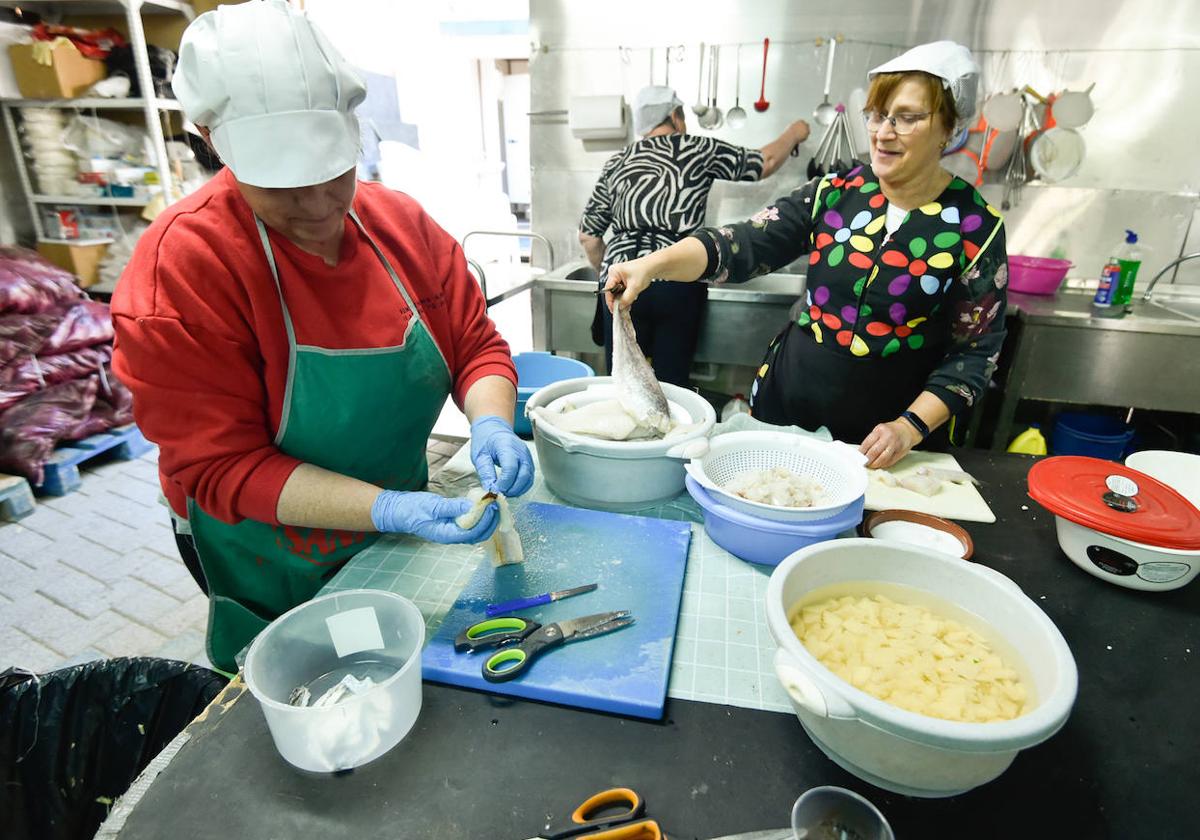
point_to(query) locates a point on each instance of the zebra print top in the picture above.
(654, 192)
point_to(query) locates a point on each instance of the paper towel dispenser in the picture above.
(598, 117)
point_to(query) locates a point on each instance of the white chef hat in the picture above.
(653, 104)
(277, 98)
(950, 62)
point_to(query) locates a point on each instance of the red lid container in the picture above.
(1075, 487)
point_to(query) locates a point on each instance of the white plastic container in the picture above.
(361, 632)
(613, 474)
(1178, 470)
(1124, 562)
(890, 747)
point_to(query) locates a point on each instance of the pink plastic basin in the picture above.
(1036, 275)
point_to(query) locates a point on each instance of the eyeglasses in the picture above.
(901, 123)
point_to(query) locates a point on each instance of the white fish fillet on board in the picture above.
(637, 389)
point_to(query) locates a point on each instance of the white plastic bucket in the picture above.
(611, 474)
(890, 747)
(361, 632)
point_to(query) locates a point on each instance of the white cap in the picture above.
(950, 62)
(652, 106)
(277, 98)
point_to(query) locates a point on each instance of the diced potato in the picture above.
(912, 658)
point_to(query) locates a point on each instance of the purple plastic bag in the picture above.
(31, 284)
(30, 429)
(83, 324)
(26, 374)
(24, 335)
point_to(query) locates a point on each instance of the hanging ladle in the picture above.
(762, 104)
(736, 117)
(699, 109)
(825, 112)
(712, 118)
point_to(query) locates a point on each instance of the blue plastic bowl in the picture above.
(1093, 435)
(758, 540)
(535, 370)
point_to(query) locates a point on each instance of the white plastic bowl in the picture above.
(838, 467)
(890, 747)
(1124, 562)
(364, 632)
(616, 475)
(1178, 470)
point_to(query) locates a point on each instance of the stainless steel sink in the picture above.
(1186, 306)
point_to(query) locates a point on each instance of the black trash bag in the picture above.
(120, 62)
(72, 741)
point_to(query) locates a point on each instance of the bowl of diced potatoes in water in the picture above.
(915, 671)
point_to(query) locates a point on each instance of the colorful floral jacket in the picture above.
(937, 282)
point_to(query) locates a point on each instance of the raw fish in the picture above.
(505, 545)
(637, 389)
(952, 476)
(926, 485)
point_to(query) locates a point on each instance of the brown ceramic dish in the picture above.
(878, 517)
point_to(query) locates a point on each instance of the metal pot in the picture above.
(616, 475)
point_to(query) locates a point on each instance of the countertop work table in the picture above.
(1062, 353)
(728, 756)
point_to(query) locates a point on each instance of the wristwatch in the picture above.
(917, 423)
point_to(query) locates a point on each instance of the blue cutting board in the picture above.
(638, 563)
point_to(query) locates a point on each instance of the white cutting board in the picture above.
(953, 501)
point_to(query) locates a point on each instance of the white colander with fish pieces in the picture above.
(839, 468)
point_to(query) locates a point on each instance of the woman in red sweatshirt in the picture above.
(290, 335)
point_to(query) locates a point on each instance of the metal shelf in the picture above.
(97, 102)
(101, 7)
(152, 107)
(102, 240)
(101, 200)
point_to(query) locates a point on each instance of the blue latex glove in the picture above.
(495, 445)
(430, 517)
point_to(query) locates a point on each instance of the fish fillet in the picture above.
(606, 419)
(505, 545)
(637, 389)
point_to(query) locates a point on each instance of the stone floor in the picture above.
(96, 574)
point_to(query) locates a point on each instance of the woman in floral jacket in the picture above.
(905, 296)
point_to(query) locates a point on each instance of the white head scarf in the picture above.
(277, 98)
(950, 62)
(652, 106)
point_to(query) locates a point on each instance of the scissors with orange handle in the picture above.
(590, 820)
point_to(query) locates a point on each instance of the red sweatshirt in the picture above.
(201, 343)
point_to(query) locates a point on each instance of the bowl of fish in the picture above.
(913, 670)
(780, 476)
(339, 678)
(599, 448)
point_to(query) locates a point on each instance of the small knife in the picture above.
(536, 600)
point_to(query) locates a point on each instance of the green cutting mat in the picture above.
(723, 650)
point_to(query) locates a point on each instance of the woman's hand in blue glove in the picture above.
(494, 446)
(429, 516)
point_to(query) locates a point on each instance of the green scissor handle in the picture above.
(511, 661)
(494, 632)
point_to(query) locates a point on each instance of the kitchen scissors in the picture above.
(629, 823)
(520, 640)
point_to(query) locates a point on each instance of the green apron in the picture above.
(365, 413)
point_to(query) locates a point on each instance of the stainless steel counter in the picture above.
(739, 322)
(1176, 314)
(1149, 359)
(1062, 353)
